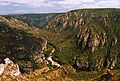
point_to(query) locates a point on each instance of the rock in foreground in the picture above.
(9, 69)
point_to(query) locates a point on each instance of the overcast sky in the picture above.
(51, 6)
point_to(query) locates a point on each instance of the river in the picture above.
(51, 60)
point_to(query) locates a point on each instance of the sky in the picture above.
(52, 6)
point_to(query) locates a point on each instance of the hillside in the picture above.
(37, 20)
(85, 43)
(90, 36)
(19, 45)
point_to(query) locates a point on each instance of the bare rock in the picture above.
(9, 68)
(82, 63)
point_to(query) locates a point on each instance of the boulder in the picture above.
(9, 68)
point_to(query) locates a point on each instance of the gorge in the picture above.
(77, 45)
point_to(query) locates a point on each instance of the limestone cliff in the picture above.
(95, 33)
(18, 44)
(9, 69)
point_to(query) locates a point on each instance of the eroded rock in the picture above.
(9, 68)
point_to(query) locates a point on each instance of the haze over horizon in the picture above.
(52, 6)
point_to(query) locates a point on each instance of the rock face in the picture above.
(96, 34)
(37, 20)
(82, 63)
(15, 23)
(9, 68)
(90, 36)
(19, 45)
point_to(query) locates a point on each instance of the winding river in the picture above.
(51, 60)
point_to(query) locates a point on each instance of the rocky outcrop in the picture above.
(91, 29)
(95, 32)
(9, 68)
(91, 36)
(37, 20)
(112, 59)
(15, 23)
(19, 45)
(82, 63)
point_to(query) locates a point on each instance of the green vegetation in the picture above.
(19, 44)
(80, 23)
(86, 39)
(37, 20)
(48, 51)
